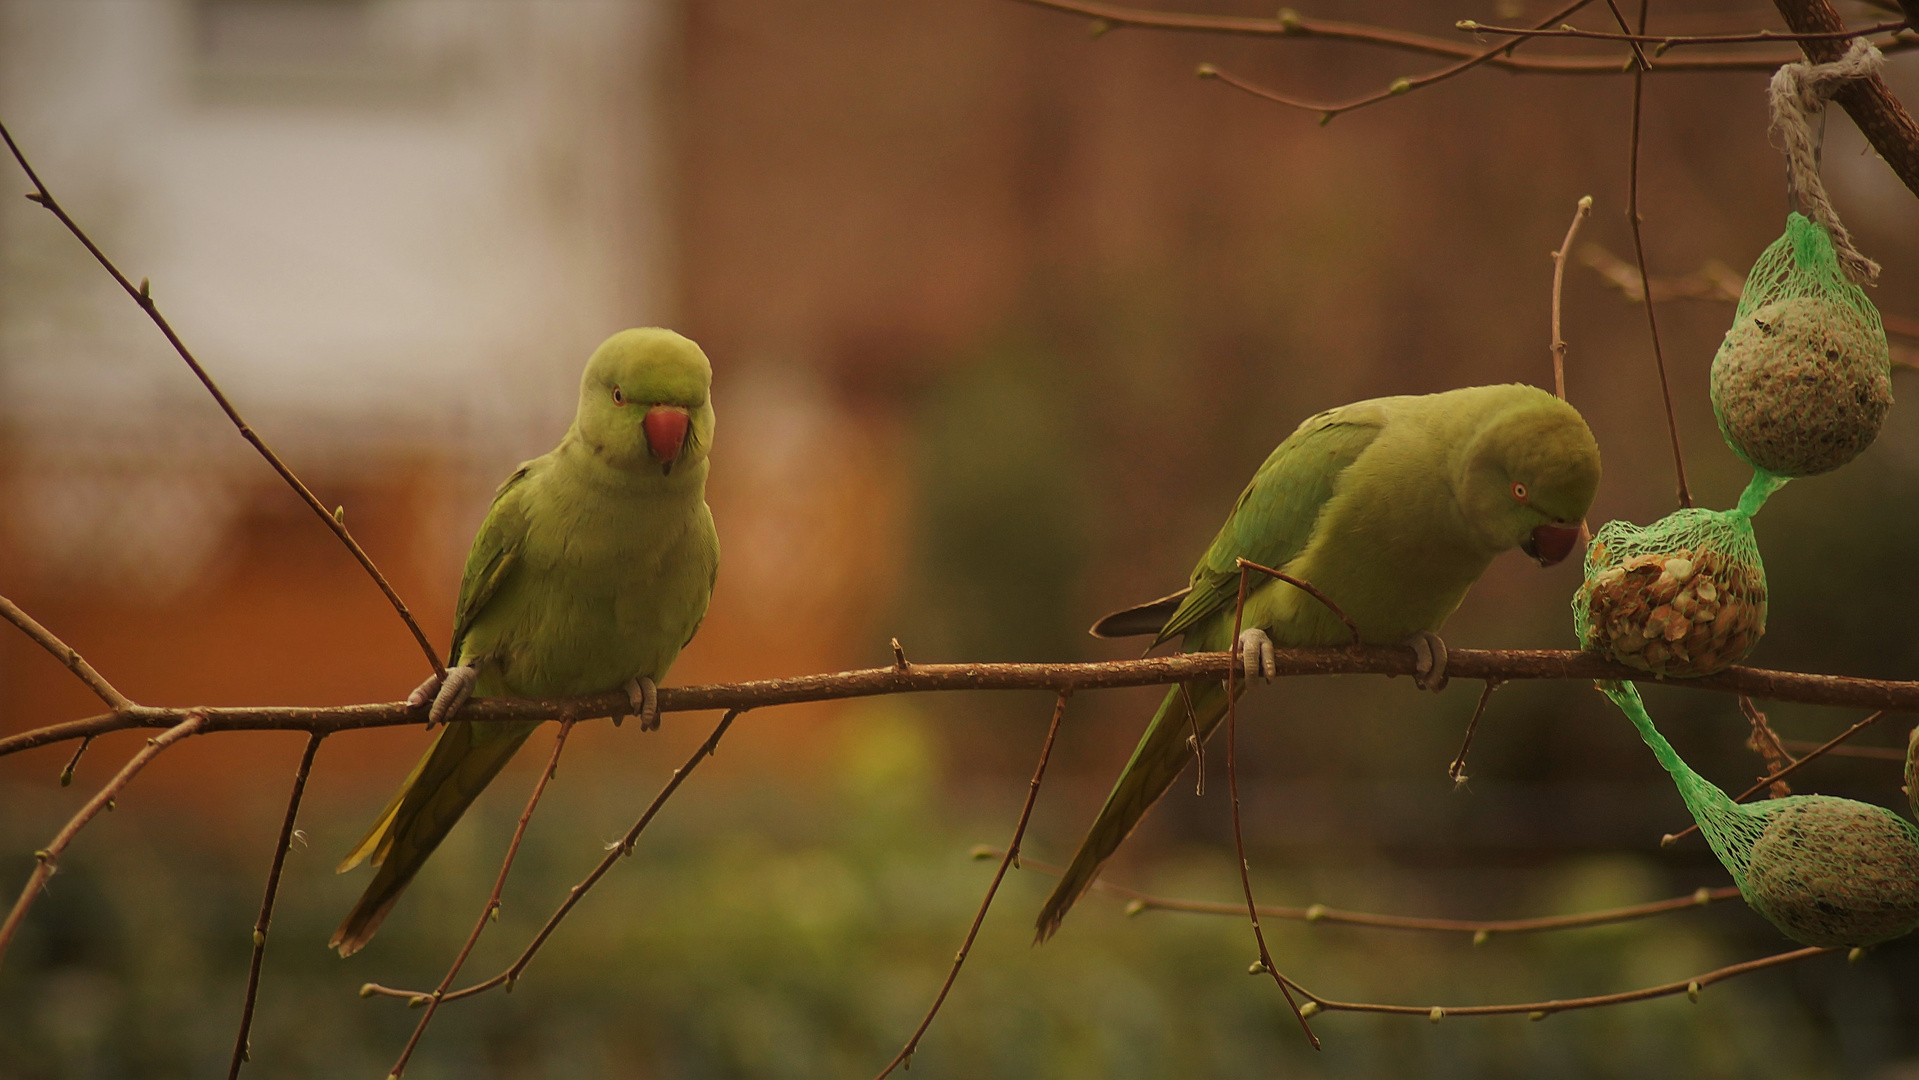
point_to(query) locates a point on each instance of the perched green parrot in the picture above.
(1392, 508)
(592, 571)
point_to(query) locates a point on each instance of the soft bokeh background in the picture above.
(1002, 317)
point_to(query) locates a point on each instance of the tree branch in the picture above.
(1481, 929)
(613, 854)
(1539, 1010)
(1870, 102)
(1465, 664)
(487, 913)
(241, 1051)
(1010, 858)
(66, 655)
(49, 857)
(1290, 24)
(142, 296)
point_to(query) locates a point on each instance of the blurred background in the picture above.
(1002, 316)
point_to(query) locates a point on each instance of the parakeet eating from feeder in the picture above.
(591, 572)
(1392, 508)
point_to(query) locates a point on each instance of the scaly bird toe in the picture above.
(1429, 666)
(1256, 654)
(452, 694)
(424, 692)
(644, 696)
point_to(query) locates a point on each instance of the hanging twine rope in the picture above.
(1799, 93)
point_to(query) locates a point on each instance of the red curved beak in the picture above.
(1551, 543)
(665, 428)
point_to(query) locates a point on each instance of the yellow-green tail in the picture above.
(456, 768)
(1162, 754)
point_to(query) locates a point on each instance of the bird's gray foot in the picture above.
(424, 692)
(1256, 654)
(644, 696)
(1429, 669)
(450, 694)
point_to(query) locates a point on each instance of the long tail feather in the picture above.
(1162, 754)
(456, 768)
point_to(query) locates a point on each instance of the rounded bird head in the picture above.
(1531, 472)
(645, 401)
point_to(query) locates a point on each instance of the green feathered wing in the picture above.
(1271, 524)
(463, 759)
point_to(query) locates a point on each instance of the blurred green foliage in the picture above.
(800, 930)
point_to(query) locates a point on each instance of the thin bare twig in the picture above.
(1481, 929)
(1011, 858)
(489, 912)
(48, 858)
(1504, 664)
(1713, 281)
(1539, 1010)
(1304, 586)
(1766, 745)
(1674, 41)
(1290, 24)
(142, 296)
(1239, 841)
(1874, 753)
(613, 854)
(65, 654)
(1457, 770)
(1765, 781)
(66, 774)
(1639, 252)
(1580, 214)
(241, 1052)
(1329, 110)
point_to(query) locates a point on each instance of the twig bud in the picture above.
(1206, 71)
(146, 289)
(1537, 1015)
(1668, 840)
(1692, 991)
(36, 197)
(66, 776)
(1316, 913)
(1289, 21)
(1702, 896)
(259, 938)
(1099, 28)
(1400, 86)
(1309, 1010)
(366, 990)
(1134, 907)
(1480, 936)
(1856, 955)
(1466, 24)
(417, 1001)
(1436, 1015)
(1257, 967)
(339, 515)
(982, 851)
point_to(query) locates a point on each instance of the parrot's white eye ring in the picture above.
(618, 397)
(1519, 489)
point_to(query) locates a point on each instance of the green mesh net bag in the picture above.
(1682, 597)
(1825, 871)
(1803, 380)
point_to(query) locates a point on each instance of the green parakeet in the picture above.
(591, 572)
(1392, 508)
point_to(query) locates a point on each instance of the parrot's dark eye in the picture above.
(1519, 490)
(618, 397)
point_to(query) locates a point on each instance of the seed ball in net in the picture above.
(1832, 871)
(1801, 385)
(1680, 612)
